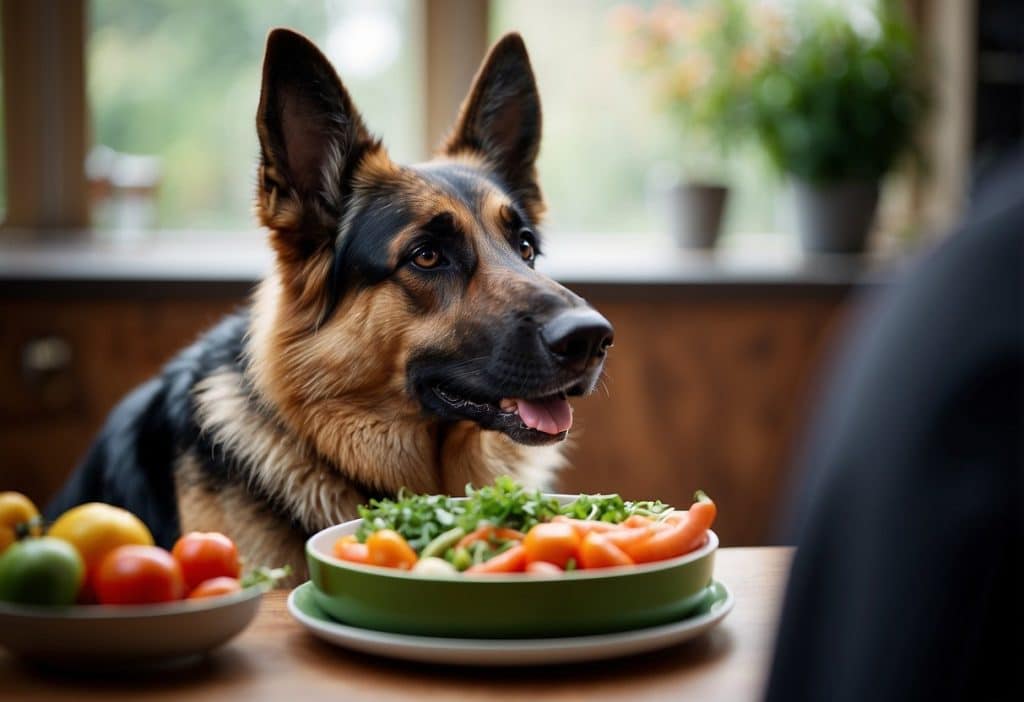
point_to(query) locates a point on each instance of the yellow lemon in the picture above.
(96, 529)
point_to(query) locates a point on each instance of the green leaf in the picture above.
(266, 577)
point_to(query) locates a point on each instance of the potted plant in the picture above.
(834, 110)
(699, 63)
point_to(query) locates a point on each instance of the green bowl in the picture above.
(506, 606)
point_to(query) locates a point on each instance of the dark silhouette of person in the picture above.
(906, 583)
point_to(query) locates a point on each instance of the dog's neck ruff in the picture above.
(339, 395)
(282, 469)
(252, 447)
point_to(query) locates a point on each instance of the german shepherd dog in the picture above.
(403, 339)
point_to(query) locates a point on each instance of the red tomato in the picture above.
(554, 542)
(215, 587)
(138, 575)
(204, 556)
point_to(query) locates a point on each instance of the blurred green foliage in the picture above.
(180, 79)
(609, 150)
(842, 102)
(698, 61)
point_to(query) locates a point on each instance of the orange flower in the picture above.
(692, 72)
(669, 22)
(626, 18)
(746, 61)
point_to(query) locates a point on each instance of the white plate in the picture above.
(503, 652)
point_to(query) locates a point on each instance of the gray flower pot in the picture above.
(695, 214)
(835, 218)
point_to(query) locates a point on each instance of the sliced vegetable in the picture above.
(348, 549)
(421, 518)
(585, 526)
(462, 558)
(598, 551)
(543, 568)
(434, 567)
(505, 528)
(440, 545)
(554, 542)
(612, 508)
(387, 548)
(511, 561)
(625, 538)
(677, 537)
(489, 532)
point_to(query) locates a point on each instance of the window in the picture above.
(173, 88)
(3, 142)
(607, 155)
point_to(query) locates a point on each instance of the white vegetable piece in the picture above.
(434, 566)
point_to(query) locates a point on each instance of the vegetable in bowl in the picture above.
(536, 554)
(504, 528)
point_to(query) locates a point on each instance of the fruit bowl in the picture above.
(506, 606)
(119, 636)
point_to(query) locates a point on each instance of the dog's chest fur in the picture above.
(248, 475)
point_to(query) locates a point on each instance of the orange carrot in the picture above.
(554, 542)
(625, 537)
(585, 526)
(679, 537)
(348, 549)
(389, 549)
(510, 561)
(598, 551)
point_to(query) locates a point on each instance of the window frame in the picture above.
(47, 137)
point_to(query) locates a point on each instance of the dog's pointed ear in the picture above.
(500, 119)
(311, 136)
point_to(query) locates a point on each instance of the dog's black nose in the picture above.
(577, 336)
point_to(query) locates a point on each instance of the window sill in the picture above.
(241, 259)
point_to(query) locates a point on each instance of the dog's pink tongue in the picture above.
(551, 416)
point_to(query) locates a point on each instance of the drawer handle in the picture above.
(45, 356)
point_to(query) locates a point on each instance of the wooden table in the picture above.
(275, 659)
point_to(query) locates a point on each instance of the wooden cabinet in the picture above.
(64, 364)
(705, 387)
(704, 391)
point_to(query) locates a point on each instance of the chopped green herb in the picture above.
(433, 524)
(612, 508)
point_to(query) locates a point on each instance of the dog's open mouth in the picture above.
(538, 420)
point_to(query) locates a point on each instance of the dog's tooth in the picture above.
(508, 405)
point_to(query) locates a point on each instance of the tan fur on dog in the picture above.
(323, 415)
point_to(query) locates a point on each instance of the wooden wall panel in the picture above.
(706, 393)
(701, 391)
(48, 420)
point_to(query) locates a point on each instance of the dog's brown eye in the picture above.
(426, 257)
(526, 249)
